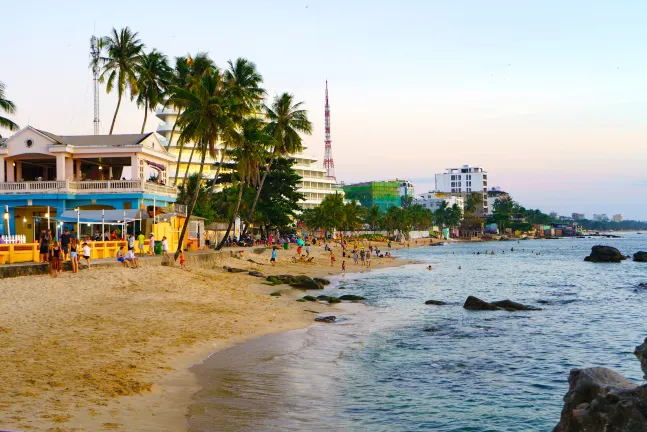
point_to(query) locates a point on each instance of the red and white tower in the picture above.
(329, 164)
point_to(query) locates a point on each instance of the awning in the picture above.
(111, 216)
(156, 165)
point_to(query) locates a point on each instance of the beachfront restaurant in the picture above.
(50, 181)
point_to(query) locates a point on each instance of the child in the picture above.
(332, 259)
(343, 267)
(165, 248)
(273, 259)
(86, 254)
(151, 245)
(56, 260)
(182, 259)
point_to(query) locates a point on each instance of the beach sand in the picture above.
(110, 348)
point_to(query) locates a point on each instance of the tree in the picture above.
(202, 119)
(502, 210)
(120, 64)
(440, 215)
(153, 76)
(473, 202)
(454, 216)
(352, 217)
(203, 207)
(7, 106)
(286, 119)
(373, 217)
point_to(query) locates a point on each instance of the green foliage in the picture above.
(7, 106)
(473, 202)
(204, 207)
(153, 76)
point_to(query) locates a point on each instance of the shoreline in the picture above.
(111, 348)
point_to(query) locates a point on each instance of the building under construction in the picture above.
(383, 194)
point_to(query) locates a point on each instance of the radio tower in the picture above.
(329, 163)
(94, 53)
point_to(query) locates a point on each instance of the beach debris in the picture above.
(601, 253)
(511, 306)
(351, 297)
(255, 273)
(640, 256)
(474, 303)
(255, 262)
(327, 319)
(309, 298)
(276, 294)
(322, 281)
(234, 269)
(435, 302)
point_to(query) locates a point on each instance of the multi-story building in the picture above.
(314, 184)
(463, 181)
(617, 218)
(383, 194)
(600, 217)
(434, 200)
(45, 177)
(494, 195)
(578, 216)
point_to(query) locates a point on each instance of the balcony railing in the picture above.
(83, 187)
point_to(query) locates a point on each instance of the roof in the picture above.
(97, 140)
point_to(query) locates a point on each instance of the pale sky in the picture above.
(549, 97)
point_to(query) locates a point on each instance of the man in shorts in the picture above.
(43, 240)
(165, 248)
(273, 259)
(141, 240)
(66, 238)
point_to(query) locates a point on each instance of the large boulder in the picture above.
(351, 297)
(601, 400)
(641, 353)
(510, 306)
(304, 282)
(605, 254)
(640, 256)
(474, 303)
(322, 281)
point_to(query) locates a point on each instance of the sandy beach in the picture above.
(110, 348)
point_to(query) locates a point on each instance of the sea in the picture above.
(393, 363)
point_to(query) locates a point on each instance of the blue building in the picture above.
(44, 177)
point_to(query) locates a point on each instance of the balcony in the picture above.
(86, 187)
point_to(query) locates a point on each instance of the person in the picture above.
(132, 258)
(355, 256)
(113, 235)
(389, 244)
(55, 260)
(182, 259)
(141, 240)
(43, 240)
(308, 249)
(207, 241)
(299, 250)
(460, 268)
(165, 248)
(86, 254)
(429, 268)
(368, 260)
(273, 259)
(332, 259)
(151, 244)
(74, 255)
(131, 242)
(65, 243)
(343, 267)
(2, 240)
(362, 256)
(120, 256)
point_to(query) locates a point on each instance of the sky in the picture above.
(549, 97)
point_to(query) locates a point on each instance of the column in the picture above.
(134, 166)
(1, 169)
(110, 173)
(69, 168)
(60, 167)
(77, 169)
(19, 171)
(10, 171)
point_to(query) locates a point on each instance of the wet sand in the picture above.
(109, 349)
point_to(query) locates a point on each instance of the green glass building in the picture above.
(384, 194)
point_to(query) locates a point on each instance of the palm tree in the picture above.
(122, 59)
(203, 118)
(7, 106)
(286, 119)
(242, 88)
(372, 217)
(248, 153)
(153, 74)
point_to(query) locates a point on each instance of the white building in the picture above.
(433, 200)
(314, 184)
(493, 196)
(464, 180)
(617, 218)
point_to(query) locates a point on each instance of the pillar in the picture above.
(110, 173)
(134, 166)
(10, 171)
(77, 169)
(2, 178)
(60, 167)
(69, 168)
(19, 171)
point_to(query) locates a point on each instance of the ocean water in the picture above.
(377, 369)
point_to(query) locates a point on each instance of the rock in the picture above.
(474, 303)
(432, 330)
(334, 300)
(323, 297)
(601, 400)
(275, 294)
(351, 297)
(640, 256)
(326, 319)
(256, 273)
(641, 353)
(642, 285)
(301, 300)
(605, 254)
(322, 281)
(234, 269)
(304, 282)
(435, 302)
(309, 298)
(510, 306)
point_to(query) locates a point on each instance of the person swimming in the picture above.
(428, 267)
(460, 268)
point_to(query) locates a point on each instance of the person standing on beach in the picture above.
(141, 240)
(56, 260)
(165, 248)
(182, 260)
(43, 240)
(343, 267)
(355, 256)
(151, 245)
(65, 243)
(86, 254)
(368, 260)
(273, 259)
(332, 259)
(131, 242)
(307, 249)
(362, 256)
(74, 255)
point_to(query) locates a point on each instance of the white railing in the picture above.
(91, 186)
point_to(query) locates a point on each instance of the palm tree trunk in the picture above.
(177, 165)
(170, 137)
(233, 216)
(114, 118)
(194, 199)
(215, 178)
(186, 172)
(145, 115)
(249, 215)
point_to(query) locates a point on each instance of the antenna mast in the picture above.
(94, 53)
(329, 163)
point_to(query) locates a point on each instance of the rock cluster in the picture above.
(475, 303)
(601, 400)
(298, 281)
(605, 254)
